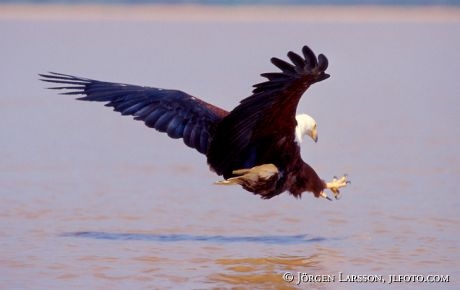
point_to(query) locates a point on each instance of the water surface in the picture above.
(93, 200)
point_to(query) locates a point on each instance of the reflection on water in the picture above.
(262, 272)
(279, 240)
(249, 272)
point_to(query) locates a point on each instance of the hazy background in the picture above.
(91, 199)
(246, 2)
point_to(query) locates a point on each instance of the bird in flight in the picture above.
(255, 145)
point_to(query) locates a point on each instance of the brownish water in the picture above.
(93, 200)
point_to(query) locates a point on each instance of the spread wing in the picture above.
(173, 112)
(253, 132)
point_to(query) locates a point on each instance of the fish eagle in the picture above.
(255, 145)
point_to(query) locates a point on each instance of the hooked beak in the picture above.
(314, 135)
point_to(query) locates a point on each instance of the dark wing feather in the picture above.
(253, 132)
(173, 112)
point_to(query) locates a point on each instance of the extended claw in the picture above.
(336, 184)
(338, 195)
(324, 195)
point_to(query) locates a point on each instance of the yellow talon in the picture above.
(335, 184)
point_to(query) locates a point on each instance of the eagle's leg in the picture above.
(335, 185)
(259, 180)
(251, 176)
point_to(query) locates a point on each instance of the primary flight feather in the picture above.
(256, 145)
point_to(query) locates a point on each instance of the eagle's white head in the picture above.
(306, 125)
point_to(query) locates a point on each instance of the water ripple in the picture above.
(271, 239)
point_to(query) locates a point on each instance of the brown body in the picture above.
(261, 130)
